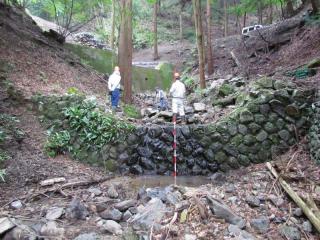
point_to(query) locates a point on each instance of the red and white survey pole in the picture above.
(174, 145)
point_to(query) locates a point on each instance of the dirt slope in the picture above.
(40, 64)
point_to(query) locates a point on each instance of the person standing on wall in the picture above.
(178, 91)
(114, 87)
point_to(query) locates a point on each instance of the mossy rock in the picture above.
(264, 82)
(110, 165)
(246, 116)
(221, 157)
(226, 101)
(226, 89)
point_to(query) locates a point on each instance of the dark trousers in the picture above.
(115, 96)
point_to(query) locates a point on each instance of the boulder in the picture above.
(54, 213)
(290, 233)
(88, 236)
(150, 215)
(51, 230)
(261, 224)
(221, 210)
(112, 227)
(125, 205)
(16, 205)
(6, 224)
(111, 214)
(253, 201)
(199, 107)
(21, 232)
(77, 210)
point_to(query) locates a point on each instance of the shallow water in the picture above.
(163, 181)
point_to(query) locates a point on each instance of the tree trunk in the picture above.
(125, 48)
(200, 44)
(271, 12)
(226, 18)
(290, 10)
(155, 32)
(209, 43)
(315, 5)
(244, 19)
(113, 24)
(180, 26)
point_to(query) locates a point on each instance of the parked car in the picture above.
(246, 30)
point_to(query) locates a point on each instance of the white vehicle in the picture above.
(248, 29)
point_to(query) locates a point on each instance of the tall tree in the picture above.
(226, 18)
(200, 42)
(315, 5)
(290, 9)
(125, 48)
(209, 43)
(113, 24)
(155, 30)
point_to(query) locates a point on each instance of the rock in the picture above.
(261, 224)
(126, 216)
(112, 192)
(150, 215)
(226, 89)
(234, 230)
(88, 236)
(290, 233)
(230, 188)
(95, 191)
(218, 177)
(246, 116)
(16, 205)
(77, 210)
(244, 235)
(199, 107)
(165, 114)
(284, 135)
(277, 201)
(6, 224)
(262, 135)
(112, 227)
(306, 226)
(265, 82)
(182, 205)
(51, 230)
(124, 205)
(136, 169)
(253, 201)
(22, 232)
(111, 214)
(220, 210)
(54, 213)
(190, 237)
(298, 212)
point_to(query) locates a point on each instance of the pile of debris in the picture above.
(88, 39)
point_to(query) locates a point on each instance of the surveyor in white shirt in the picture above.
(178, 91)
(114, 87)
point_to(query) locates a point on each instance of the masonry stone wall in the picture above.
(314, 133)
(268, 120)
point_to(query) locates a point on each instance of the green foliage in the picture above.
(57, 143)
(73, 91)
(131, 111)
(89, 127)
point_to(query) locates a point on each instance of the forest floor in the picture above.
(251, 193)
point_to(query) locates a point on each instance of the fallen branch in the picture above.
(59, 189)
(235, 59)
(295, 197)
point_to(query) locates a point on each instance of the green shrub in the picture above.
(73, 91)
(57, 143)
(89, 128)
(131, 111)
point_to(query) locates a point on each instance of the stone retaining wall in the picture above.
(267, 122)
(314, 133)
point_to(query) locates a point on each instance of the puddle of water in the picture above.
(164, 181)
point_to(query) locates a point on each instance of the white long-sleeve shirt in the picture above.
(114, 81)
(178, 89)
